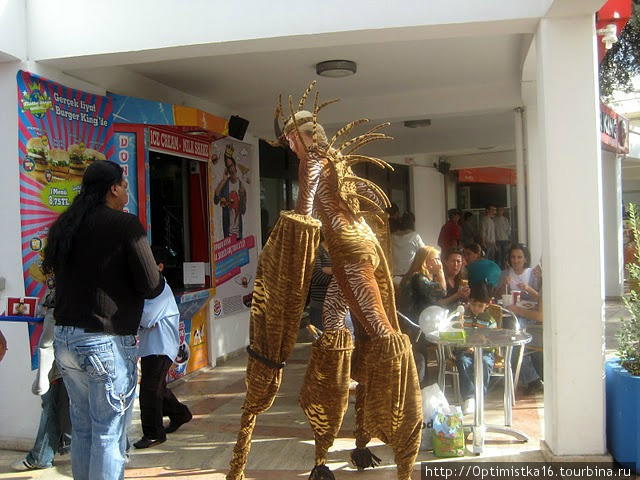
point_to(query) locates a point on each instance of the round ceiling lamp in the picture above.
(336, 68)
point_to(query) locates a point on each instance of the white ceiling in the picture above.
(468, 86)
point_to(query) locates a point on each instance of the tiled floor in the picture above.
(282, 445)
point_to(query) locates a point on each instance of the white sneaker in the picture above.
(23, 466)
(469, 406)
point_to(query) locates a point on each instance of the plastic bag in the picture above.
(432, 399)
(432, 318)
(448, 432)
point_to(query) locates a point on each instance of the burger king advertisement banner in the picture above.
(61, 131)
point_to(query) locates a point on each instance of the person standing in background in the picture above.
(470, 232)
(450, 232)
(405, 242)
(394, 217)
(54, 431)
(503, 237)
(104, 270)
(159, 341)
(488, 232)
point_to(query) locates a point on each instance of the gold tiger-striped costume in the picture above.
(388, 403)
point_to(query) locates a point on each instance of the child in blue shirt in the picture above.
(159, 342)
(475, 315)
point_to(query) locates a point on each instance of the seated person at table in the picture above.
(457, 286)
(423, 285)
(475, 315)
(519, 275)
(531, 369)
(479, 269)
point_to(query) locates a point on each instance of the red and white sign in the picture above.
(613, 12)
(174, 143)
(497, 175)
(614, 130)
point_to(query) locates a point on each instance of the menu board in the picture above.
(60, 132)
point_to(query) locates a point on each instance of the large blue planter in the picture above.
(623, 415)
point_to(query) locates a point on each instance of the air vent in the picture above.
(417, 123)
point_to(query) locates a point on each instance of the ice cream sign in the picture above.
(174, 143)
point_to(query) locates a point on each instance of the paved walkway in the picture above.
(282, 445)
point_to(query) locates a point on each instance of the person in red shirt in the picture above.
(450, 232)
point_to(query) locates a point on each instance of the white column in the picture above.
(19, 408)
(427, 185)
(520, 177)
(533, 170)
(612, 216)
(568, 111)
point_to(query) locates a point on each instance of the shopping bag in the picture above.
(432, 399)
(448, 432)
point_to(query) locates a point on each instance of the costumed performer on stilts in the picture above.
(390, 395)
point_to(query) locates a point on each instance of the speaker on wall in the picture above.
(238, 127)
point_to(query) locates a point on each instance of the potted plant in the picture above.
(623, 374)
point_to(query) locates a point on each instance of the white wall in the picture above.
(428, 200)
(571, 182)
(612, 231)
(427, 185)
(13, 31)
(19, 408)
(228, 335)
(125, 82)
(126, 26)
(630, 192)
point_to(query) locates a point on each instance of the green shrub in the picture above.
(629, 334)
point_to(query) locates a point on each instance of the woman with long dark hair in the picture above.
(457, 286)
(519, 275)
(104, 269)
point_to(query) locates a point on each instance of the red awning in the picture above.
(502, 176)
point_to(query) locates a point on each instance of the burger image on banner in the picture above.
(38, 151)
(77, 163)
(59, 163)
(91, 155)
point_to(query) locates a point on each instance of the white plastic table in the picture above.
(480, 338)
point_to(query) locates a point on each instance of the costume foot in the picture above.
(362, 458)
(321, 472)
(145, 442)
(176, 424)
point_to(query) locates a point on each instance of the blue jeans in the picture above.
(531, 368)
(100, 374)
(465, 372)
(49, 435)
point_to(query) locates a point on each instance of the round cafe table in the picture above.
(480, 338)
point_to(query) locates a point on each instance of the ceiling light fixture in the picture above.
(336, 68)
(425, 122)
